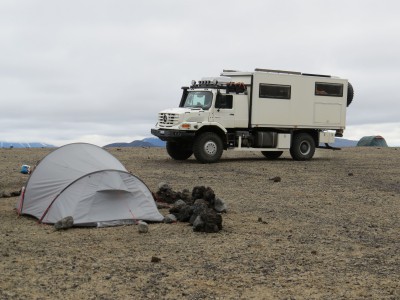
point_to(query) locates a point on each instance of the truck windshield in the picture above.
(199, 99)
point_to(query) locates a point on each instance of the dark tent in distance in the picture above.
(372, 141)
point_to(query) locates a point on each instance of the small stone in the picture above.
(220, 205)
(262, 221)
(64, 223)
(163, 186)
(6, 195)
(198, 224)
(162, 205)
(155, 259)
(350, 174)
(276, 179)
(179, 203)
(170, 218)
(143, 227)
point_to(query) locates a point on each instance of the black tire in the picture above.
(208, 147)
(350, 93)
(272, 154)
(179, 151)
(303, 147)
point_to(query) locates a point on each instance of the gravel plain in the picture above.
(328, 230)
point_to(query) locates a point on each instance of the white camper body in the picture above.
(265, 110)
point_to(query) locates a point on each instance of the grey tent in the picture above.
(88, 183)
(374, 141)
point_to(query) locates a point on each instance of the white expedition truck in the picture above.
(265, 110)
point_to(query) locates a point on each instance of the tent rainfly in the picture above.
(372, 141)
(88, 183)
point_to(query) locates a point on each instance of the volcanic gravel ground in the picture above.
(329, 229)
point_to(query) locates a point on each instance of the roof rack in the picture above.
(317, 75)
(277, 71)
(290, 72)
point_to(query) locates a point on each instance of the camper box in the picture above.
(288, 100)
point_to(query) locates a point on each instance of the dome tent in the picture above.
(88, 183)
(372, 141)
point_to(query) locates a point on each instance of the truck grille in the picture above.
(168, 120)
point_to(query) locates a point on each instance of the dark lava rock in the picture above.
(198, 224)
(208, 221)
(186, 196)
(202, 192)
(6, 195)
(200, 206)
(198, 192)
(209, 196)
(165, 193)
(183, 213)
(16, 193)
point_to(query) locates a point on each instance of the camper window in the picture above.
(274, 91)
(328, 89)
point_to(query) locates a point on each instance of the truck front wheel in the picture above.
(179, 151)
(303, 147)
(208, 147)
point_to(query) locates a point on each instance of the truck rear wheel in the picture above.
(208, 147)
(272, 154)
(303, 147)
(179, 151)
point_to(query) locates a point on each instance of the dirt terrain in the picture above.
(328, 230)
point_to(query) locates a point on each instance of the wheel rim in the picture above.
(210, 148)
(305, 147)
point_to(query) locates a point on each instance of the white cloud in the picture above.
(101, 70)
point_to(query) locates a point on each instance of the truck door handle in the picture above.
(231, 114)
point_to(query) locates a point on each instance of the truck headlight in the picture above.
(185, 126)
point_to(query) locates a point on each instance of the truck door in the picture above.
(224, 111)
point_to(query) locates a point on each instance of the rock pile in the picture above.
(201, 208)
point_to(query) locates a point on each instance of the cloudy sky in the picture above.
(99, 71)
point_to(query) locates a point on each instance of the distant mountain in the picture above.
(156, 142)
(343, 143)
(25, 145)
(147, 142)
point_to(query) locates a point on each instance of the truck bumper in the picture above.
(171, 134)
